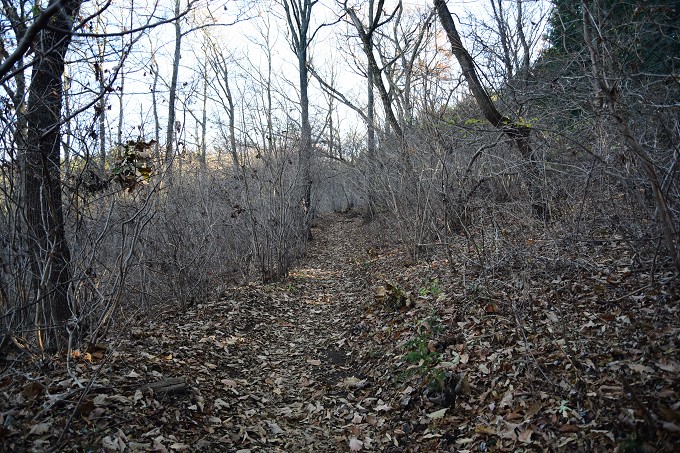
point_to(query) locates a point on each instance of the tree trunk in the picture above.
(371, 164)
(49, 251)
(156, 119)
(172, 99)
(371, 155)
(518, 133)
(121, 106)
(204, 117)
(526, 56)
(298, 15)
(101, 109)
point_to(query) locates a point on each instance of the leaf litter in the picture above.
(362, 349)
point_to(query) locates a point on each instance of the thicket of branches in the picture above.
(133, 179)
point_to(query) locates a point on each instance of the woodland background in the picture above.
(151, 157)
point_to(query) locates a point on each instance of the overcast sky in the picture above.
(243, 42)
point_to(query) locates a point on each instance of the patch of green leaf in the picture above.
(432, 288)
(423, 360)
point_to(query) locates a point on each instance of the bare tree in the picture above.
(366, 35)
(298, 18)
(399, 51)
(515, 130)
(220, 65)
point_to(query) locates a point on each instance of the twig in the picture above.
(618, 299)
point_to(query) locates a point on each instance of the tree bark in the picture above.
(49, 250)
(371, 164)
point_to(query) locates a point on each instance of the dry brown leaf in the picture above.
(32, 390)
(568, 429)
(511, 416)
(507, 400)
(485, 429)
(670, 366)
(525, 436)
(533, 409)
(438, 414)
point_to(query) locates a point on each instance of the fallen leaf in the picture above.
(40, 428)
(507, 399)
(111, 443)
(671, 427)
(588, 324)
(220, 403)
(670, 367)
(525, 436)
(353, 382)
(383, 407)
(568, 429)
(355, 444)
(432, 436)
(533, 409)
(464, 440)
(491, 309)
(640, 368)
(513, 416)
(276, 429)
(380, 293)
(32, 390)
(485, 429)
(229, 383)
(119, 399)
(438, 414)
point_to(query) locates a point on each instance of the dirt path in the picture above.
(294, 351)
(278, 364)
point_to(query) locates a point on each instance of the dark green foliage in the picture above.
(642, 35)
(424, 361)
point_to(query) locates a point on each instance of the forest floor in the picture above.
(363, 349)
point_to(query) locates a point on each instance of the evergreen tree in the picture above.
(644, 35)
